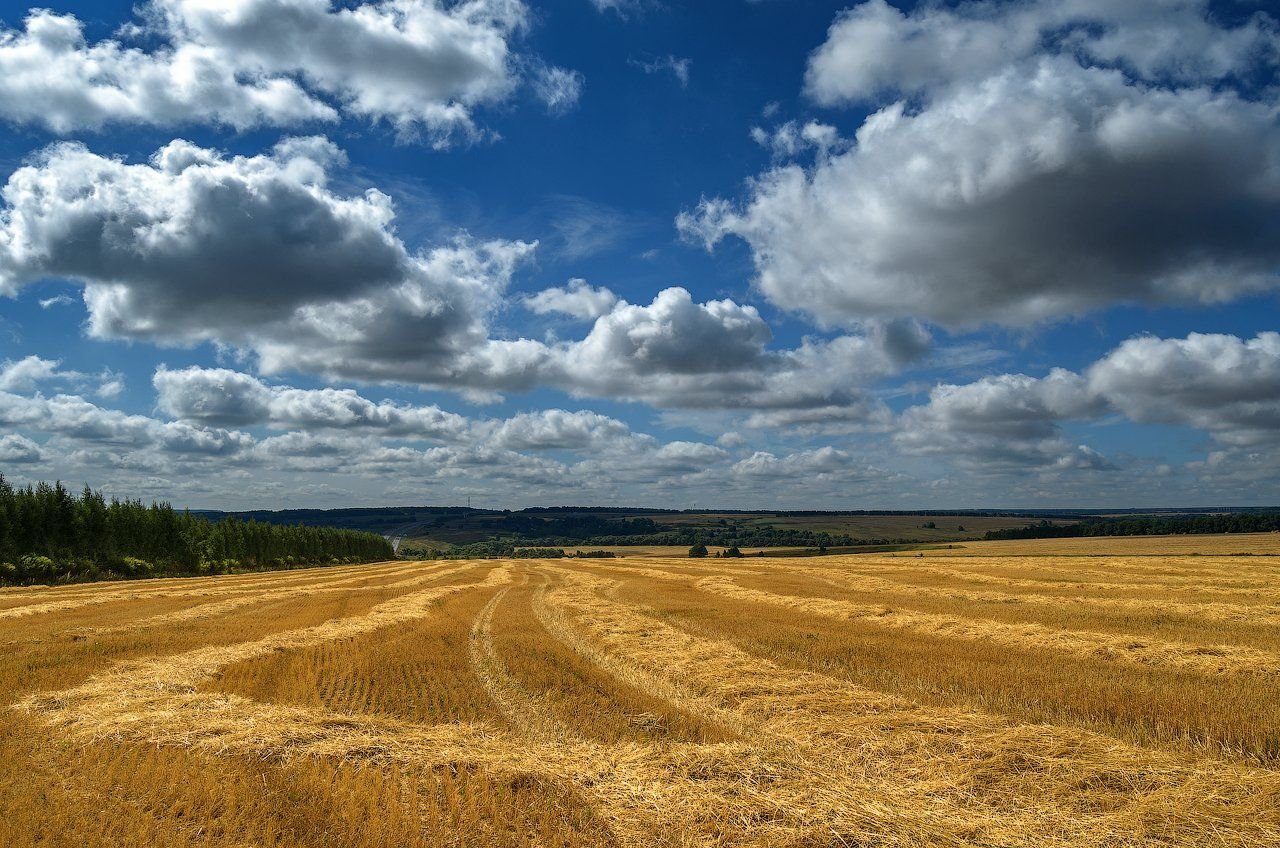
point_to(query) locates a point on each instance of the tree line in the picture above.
(48, 534)
(1147, 525)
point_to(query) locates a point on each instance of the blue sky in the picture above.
(280, 253)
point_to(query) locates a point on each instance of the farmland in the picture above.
(437, 528)
(1055, 692)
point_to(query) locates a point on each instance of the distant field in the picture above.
(1214, 545)
(1081, 692)
(441, 527)
(909, 527)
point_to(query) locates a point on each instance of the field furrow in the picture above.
(1072, 788)
(1133, 650)
(898, 702)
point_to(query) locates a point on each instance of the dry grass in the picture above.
(1252, 544)
(1009, 694)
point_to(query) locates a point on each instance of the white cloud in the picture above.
(1227, 386)
(792, 138)
(56, 300)
(110, 384)
(677, 353)
(677, 66)
(1002, 423)
(80, 420)
(50, 76)
(559, 429)
(623, 8)
(1021, 185)
(815, 469)
(19, 449)
(223, 397)
(327, 423)
(731, 439)
(421, 65)
(579, 299)
(558, 88)
(1223, 385)
(24, 374)
(874, 49)
(327, 430)
(257, 252)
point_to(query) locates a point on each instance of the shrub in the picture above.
(36, 567)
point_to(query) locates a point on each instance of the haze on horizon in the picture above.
(762, 255)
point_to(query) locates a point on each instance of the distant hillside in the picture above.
(426, 528)
(429, 526)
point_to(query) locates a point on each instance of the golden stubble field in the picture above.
(1059, 693)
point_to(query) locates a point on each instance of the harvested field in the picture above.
(1083, 692)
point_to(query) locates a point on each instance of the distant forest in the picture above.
(48, 534)
(1147, 525)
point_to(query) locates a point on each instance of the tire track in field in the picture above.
(681, 697)
(724, 787)
(525, 710)
(1129, 650)
(995, 781)
(529, 713)
(843, 779)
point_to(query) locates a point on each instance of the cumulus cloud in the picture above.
(421, 65)
(673, 335)
(78, 419)
(1038, 183)
(324, 424)
(559, 429)
(329, 429)
(579, 299)
(256, 252)
(260, 254)
(1225, 385)
(1005, 422)
(24, 374)
(874, 49)
(31, 372)
(678, 353)
(821, 469)
(1221, 384)
(792, 138)
(220, 396)
(19, 449)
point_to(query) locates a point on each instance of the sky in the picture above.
(758, 255)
